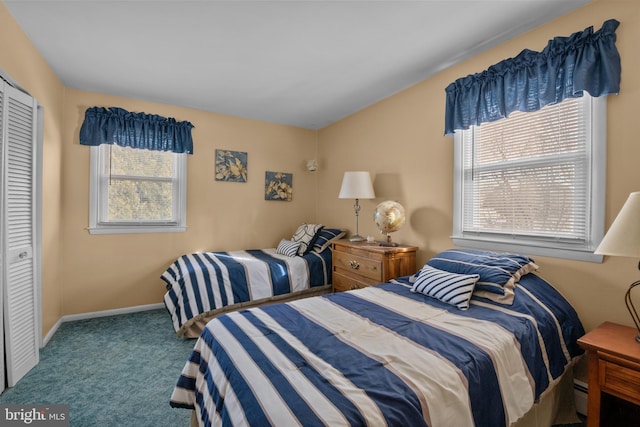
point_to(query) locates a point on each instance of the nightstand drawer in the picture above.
(613, 358)
(366, 267)
(345, 283)
(360, 264)
(620, 377)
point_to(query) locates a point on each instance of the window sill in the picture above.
(528, 249)
(137, 229)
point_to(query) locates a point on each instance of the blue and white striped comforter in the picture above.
(381, 356)
(200, 283)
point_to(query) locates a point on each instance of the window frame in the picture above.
(543, 246)
(99, 193)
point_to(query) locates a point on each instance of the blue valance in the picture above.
(585, 61)
(137, 130)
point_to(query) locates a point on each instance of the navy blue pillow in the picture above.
(325, 237)
(499, 272)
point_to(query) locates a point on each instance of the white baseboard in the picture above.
(52, 331)
(96, 314)
(580, 396)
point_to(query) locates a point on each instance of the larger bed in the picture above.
(386, 355)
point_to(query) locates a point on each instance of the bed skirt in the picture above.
(556, 406)
(194, 326)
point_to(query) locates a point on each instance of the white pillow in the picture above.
(305, 234)
(452, 288)
(288, 248)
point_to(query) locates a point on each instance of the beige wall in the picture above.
(20, 59)
(400, 141)
(103, 272)
(84, 273)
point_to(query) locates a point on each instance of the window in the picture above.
(534, 182)
(137, 190)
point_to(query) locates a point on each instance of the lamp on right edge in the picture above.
(623, 239)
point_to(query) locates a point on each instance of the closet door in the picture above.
(2, 149)
(19, 223)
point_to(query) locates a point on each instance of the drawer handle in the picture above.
(354, 264)
(22, 255)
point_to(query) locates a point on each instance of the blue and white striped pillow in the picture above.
(452, 288)
(288, 248)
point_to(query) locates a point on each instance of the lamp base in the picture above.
(356, 238)
(631, 307)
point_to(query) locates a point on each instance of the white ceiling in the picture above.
(301, 63)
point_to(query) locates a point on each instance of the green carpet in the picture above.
(112, 371)
(115, 371)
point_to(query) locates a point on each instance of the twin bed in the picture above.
(203, 285)
(471, 339)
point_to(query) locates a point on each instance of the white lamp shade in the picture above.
(623, 237)
(356, 185)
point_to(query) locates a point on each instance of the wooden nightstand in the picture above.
(613, 357)
(360, 264)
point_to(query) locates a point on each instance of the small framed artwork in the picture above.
(231, 166)
(278, 186)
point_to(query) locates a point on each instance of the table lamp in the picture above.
(623, 239)
(356, 185)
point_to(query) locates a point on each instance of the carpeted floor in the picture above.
(116, 371)
(112, 371)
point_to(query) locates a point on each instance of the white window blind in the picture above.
(533, 179)
(137, 190)
(139, 184)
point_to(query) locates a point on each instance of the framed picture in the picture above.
(278, 186)
(231, 166)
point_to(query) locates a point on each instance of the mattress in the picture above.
(202, 285)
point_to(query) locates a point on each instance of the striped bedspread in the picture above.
(199, 283)
(381, 356)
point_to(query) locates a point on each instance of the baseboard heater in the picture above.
(580, 396)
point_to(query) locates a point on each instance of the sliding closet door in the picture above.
(2, 149)
(19, 222)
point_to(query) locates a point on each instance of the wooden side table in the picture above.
(360, 264)
(613, 357)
